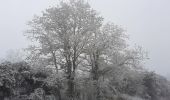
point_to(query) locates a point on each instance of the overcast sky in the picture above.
(147, 22)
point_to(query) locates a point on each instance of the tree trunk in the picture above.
(54, 60)
(70, 82)
(95, 74)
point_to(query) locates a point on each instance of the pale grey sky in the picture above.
(146, 21)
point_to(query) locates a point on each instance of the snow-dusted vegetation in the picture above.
(75, 55)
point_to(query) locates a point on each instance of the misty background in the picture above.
(146, 22)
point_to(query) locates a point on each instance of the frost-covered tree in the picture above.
(73, 38)
(62, 33)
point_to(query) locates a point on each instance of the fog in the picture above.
(146, 22)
